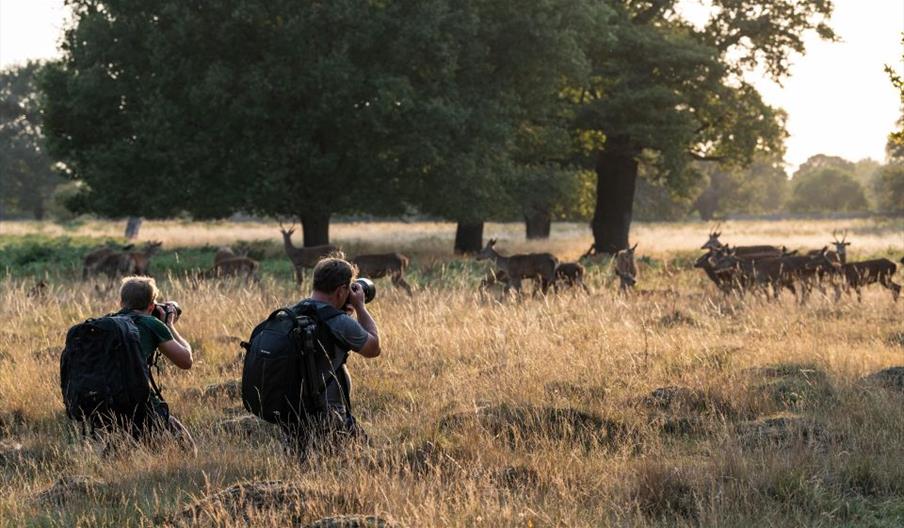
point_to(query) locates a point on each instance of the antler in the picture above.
(844, 236)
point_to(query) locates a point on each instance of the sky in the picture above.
(838, 98)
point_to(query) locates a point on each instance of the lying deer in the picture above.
(233, 267)
(625, 268)
(380, 265)
(570, 274)
(304, 257)
(540, 267)
(128, 263)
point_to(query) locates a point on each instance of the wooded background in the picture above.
(472, 110)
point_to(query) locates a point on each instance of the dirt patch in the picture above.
(891, 378)
(242, 500)
(664, 492)
(895, 339)
(247, 426)
(572, 390)
(524, 425)
(793, 385)
(353, 521)
(683, 411)
(68, 488)
(518, 478)
(677, 318)
(782, 431)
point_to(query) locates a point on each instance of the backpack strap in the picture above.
(153, 359)
(322, 314)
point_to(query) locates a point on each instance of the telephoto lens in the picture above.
(370, 289)
(168, 306)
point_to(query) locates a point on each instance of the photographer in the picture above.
(157, 330)
(335, 288)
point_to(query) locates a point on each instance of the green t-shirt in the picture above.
(151, 331)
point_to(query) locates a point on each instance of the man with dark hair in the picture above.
(157, 330)
(334, 287)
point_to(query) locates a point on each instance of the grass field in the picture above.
(673, 407)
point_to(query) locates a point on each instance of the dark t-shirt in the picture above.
(346, 330)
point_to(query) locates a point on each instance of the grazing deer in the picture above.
(233, 267)
(382, 265)
(625, 269)
(128, 263)
(570, 274)
(765, 251)
(304, 257)
(94, 258)
(223, 253)
(860, 274)
(537, 266)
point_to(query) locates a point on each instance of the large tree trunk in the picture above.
(537, 224)
(468, 237)
(616, 170)
(133, 226)
(316, 229)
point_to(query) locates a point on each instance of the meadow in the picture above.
(675, 406)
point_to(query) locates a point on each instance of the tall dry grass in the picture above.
(538, 412)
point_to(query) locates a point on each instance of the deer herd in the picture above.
(738, 270)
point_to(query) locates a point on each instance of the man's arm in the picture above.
(371, 348)
(176, 349)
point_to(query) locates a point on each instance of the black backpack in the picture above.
(103, 376)
(288, 366)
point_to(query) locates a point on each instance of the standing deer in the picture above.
(384, 264)
(625, 268)
(860, 274)
(537, 266)
(570, 274)
(96, 256)
(304, 257)
(781, 272)
(224, 253)
(233, 267)
(128, 263)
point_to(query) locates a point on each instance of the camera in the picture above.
(370, 289)
(162, 310)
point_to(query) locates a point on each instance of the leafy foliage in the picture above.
(826, 189)
(27, 177)
(889, 188)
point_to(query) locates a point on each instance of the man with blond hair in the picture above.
(106, 367)
(156, 325)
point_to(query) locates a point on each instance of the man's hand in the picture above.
(356, 297)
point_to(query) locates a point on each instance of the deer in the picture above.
(233, 267)
(625, 269)
(380, 265)
(777, 272)
(94, 257)
(570, 274)
(763, 251)
(304, 257)
(128, 263)
(540, 267)
(224, 253)
(860, 274)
